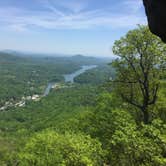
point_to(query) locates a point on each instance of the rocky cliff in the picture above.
(156, 13)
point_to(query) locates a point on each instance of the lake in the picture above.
(69, 77)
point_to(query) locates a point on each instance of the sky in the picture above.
(87, 27)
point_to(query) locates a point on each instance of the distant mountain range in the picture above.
(10, 56)
(32, 54)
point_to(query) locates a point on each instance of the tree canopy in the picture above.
(51, 148)
(139, 67)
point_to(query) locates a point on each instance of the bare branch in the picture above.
(131, 101)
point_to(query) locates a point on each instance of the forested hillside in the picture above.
(112, 115)
(23, 76)
(100, 75)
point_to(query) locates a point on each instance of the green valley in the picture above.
(112, 114)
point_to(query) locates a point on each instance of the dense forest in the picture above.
(28, 75)
(96, 76)
(114, 114)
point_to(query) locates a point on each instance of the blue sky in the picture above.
(87, 27)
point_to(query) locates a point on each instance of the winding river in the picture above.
(69, 77)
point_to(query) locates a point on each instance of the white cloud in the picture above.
(54, 18)
(74, 6)
(18, 27)
(133, 5)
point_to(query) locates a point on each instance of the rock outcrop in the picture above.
(156, 13)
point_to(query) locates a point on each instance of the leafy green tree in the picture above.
(133, 146)
(125, 142)
(51, 148)
(139, 68)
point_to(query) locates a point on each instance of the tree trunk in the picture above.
(145, 115)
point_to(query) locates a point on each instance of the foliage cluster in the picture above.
(88, 126)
